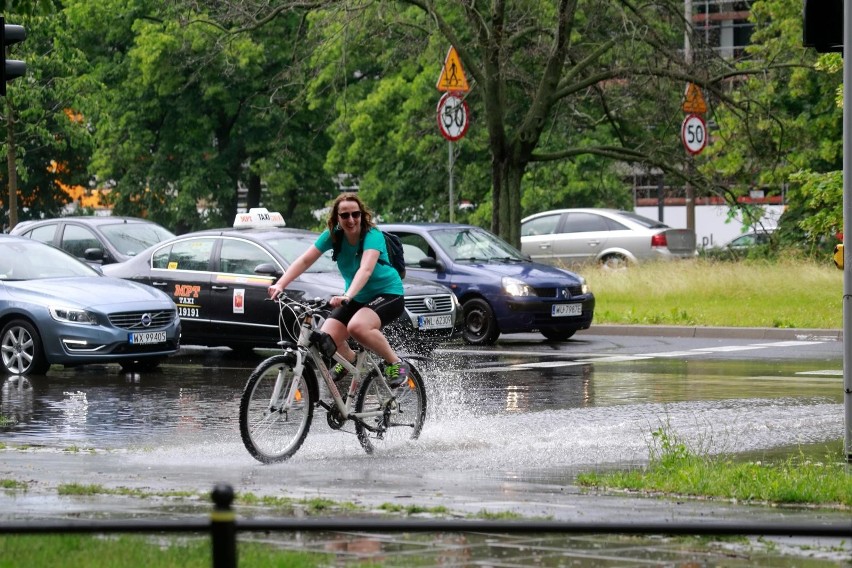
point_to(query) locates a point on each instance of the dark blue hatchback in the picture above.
(500, 289)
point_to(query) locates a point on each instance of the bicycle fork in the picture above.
(294, 384)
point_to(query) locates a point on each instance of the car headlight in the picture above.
(73, 315)
(584, 286)
(515, 287)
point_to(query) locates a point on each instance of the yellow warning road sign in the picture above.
(452, 75)
(693, 100)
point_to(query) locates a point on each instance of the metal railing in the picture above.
(223, 527)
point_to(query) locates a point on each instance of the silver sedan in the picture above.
(610, 237)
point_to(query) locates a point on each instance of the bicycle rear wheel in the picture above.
(401, 417)
(271, 430)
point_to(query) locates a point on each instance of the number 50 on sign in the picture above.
(693, 132)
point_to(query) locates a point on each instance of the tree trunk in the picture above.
(506, 218)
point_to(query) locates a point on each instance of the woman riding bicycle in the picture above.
(373, 296)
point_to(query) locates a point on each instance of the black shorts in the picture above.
(387, 306)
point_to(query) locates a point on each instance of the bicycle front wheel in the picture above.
(395, 419)
(275, 418)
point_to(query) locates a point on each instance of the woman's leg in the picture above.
(338, 332)
(365, 327)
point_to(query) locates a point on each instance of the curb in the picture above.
(774, 333)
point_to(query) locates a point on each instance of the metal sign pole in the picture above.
(452, 197)
(847, 228)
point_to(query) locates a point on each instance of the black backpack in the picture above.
(392, 244)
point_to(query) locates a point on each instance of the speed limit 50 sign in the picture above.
(693, 132)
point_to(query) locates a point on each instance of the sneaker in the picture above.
(338, 373)
(397, 374)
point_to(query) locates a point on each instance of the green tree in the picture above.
(790, 139)
(50, 142)
(552, 81)
(185, 113)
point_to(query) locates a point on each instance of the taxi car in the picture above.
(500, 289)
(218, 278)
(55, 309)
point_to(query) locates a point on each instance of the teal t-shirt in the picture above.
(384, 280)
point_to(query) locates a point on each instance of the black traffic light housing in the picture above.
(12, 68)
(822, 25)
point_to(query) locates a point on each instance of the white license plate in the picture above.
(562, 310)
(147, 337)
(434, 322)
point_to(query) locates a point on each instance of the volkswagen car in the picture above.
(500, 289)
(218, 279)
(55, 309)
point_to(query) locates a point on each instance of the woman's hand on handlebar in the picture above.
(274, 291)
(340, 300)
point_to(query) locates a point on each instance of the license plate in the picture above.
(147, 337)
(434, 322)
(562, 310)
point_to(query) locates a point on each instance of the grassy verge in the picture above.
(152, 552)
(782, 293)
(674, 469)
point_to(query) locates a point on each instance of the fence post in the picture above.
(223, 529)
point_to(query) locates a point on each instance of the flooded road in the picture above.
(507, 430)
(510, 411)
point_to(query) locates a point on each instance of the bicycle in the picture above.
(277, 405)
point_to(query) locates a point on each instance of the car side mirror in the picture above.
(430, 262)
(268, 269)
(94, 254)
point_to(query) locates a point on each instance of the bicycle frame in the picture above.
(307, 351)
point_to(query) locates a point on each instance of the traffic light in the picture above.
(12, 68)
(837, 257)
(822, 25)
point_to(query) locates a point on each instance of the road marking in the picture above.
(585, 358)
(727, 348)
(827, 372)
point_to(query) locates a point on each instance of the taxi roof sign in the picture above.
(258, 217)
(452, 74)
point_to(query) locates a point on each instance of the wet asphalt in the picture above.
(553, 497)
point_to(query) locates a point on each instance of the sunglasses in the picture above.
(345, 215)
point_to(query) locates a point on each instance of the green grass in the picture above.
(85, 551)
(676, 470)
(782, 293)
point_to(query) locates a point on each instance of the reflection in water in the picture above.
(16, 404)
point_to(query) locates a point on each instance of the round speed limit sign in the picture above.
(693, 132)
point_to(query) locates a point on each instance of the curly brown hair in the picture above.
(366, 214)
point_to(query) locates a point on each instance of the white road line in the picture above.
(588, 358)
(787, 343)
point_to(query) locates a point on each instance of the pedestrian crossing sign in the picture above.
(693, 100)
(452, 75)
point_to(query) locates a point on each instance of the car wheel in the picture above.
(21, 350)
(140, 365)
(557, 335)
(614, 262)
(480, 326)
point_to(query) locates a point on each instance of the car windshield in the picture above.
(292, 247)
(132, 238)
(34, 260)
(475, 244)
